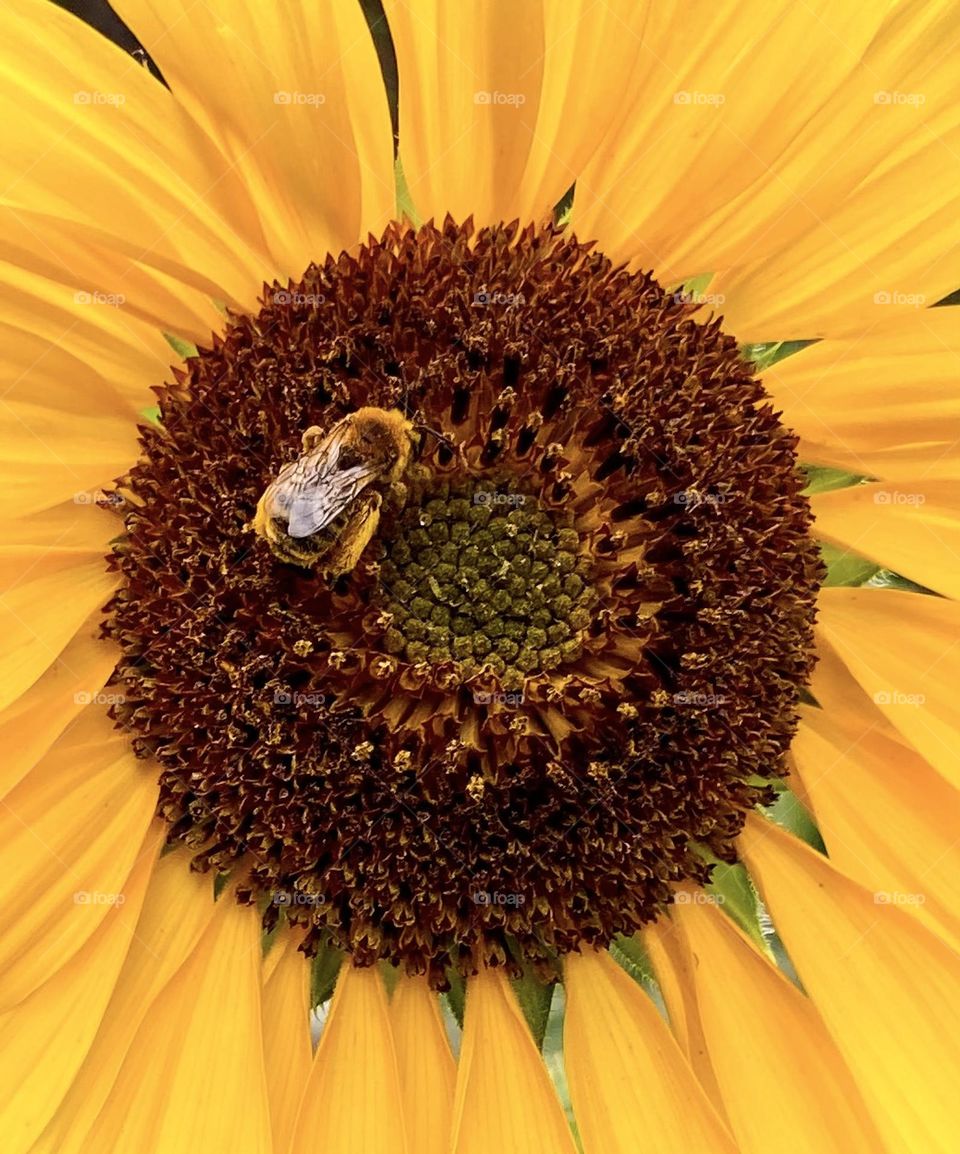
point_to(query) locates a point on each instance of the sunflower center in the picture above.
(477, 575)
(561, 661)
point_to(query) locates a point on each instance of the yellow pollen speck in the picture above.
(475, 787)
(302, 647)
(625, 709)
(362, 751)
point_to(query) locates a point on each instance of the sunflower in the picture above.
(606, 799)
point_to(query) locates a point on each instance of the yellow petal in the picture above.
(882, 403)
(428, 1072)
(674, 965)
(287, 1051)
(885, 987)
(144, 179)
(352, 1100)
(44, 1040)
(105, 309)
(590, 54)
(69, 838)
(504, 1098)
(463, 150)
(775, 1063)
(683, 183)
(193, 1077)
(912, 527)
(864, 192)
(64, 431)
(291, 95)
(176, 912)
(32, 723)
(42, 608)
(888, 819)
(904, 650)
(631, 1086)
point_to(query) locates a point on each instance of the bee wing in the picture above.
(312, 491)
(315, 504)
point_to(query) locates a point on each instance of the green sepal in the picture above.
(887, 579)
(535, 997)
(823, 478)
(324, 967)
(564, 206)
(629, 953)
(405, 206)
(767, 353)
(739, 900)
(553, 1056)
(456, 995)
(789, 812)
(844, 567)
(182, 348)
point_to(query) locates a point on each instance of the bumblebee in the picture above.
(322, 509)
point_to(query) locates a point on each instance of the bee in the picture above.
(323, 508)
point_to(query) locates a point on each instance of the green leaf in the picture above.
(534, 997)
(182, 348)
(324, 968)
(844, 567)
(152, 414)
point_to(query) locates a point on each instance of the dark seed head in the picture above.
(563, 667)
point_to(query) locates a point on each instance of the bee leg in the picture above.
(311, 438)
(355, 537)
(398, 494)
